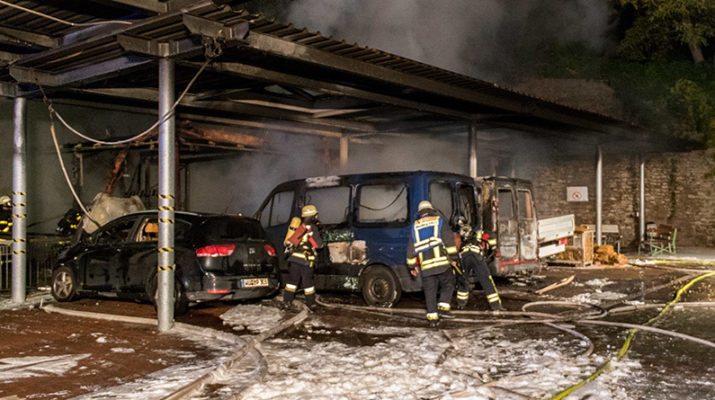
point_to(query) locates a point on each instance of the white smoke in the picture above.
(487, 39)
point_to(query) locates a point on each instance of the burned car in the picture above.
(218, 257)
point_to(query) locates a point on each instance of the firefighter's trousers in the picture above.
(475, 264)
(442, 284)
(300, 276)
(463, 287)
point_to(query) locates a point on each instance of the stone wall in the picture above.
(678, 192)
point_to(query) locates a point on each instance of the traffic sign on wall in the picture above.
(577, 193)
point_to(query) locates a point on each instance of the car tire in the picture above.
(380, 287)
(64, 284)
(181, 302)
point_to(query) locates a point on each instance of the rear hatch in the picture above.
(235, 246)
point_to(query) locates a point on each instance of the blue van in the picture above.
(366, 224)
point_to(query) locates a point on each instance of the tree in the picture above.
(689, 22)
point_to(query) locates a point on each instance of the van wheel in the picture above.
(181, 302)
(64, 284)
(380, 287)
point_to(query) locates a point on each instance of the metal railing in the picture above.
(42, 257)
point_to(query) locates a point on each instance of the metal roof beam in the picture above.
(29, 37)
(205, 27)
(82, 75)
(157, 6)
(137, 44)
(266, 75)
(514, 102)
(151, 95)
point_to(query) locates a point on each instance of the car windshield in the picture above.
(232, 228)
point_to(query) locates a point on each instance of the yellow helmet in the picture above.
(308, 211)
(5, 200)
(424, 205)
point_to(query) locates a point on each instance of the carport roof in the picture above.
(269, 75)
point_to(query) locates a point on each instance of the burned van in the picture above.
(508, 211)
(366, 222)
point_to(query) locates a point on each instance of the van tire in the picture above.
(380, 287)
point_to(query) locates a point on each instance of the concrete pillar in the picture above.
(19, 203)
(343, 153)
(473, 172)
(599, 195)
(167, 177)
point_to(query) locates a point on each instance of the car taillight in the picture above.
(563, 241)
(216, 250)
(270, 250)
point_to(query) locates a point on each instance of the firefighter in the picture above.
(475, 249)
(431, 254)
(70, 222)
(5, 215)
(301, 247)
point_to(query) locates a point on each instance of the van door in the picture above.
(275, 216)
(341, 249)
(507, 224)
(381, 214)
(527, 224)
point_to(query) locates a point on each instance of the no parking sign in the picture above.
(577, 193)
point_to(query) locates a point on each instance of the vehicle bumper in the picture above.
(232, 288)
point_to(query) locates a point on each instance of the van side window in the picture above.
(277, 210)
(526, 207)
(505, 204)
(440, 194)
(468, 205)
(332, 203)
(383, 203)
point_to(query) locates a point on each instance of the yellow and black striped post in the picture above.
(166, 266)
(19, 204)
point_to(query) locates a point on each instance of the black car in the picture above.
(218, 257)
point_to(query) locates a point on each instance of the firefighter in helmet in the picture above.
(431, 254)
(302, 242)
(5, 214)
(475, 249)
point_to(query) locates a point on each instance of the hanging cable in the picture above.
(133, 138)
(62, 21)
(64, 172)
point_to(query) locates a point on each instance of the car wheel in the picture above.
(64, 284)
(181, 302)
(380, 287)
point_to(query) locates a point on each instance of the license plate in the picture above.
(256, 282)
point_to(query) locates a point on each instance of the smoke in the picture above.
(487, 39)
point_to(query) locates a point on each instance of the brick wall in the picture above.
(677, 192)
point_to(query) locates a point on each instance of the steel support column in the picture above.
(19, 204)
(599, 195)
(166, 266)
(473, 150)
(641, 213)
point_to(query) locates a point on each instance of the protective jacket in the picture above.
(306, 240)
(5, 220)
(432, 246)
(478, 243)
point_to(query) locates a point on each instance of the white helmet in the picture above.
(5, 200)
(424, 205)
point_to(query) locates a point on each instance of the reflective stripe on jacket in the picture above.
(432, 245)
